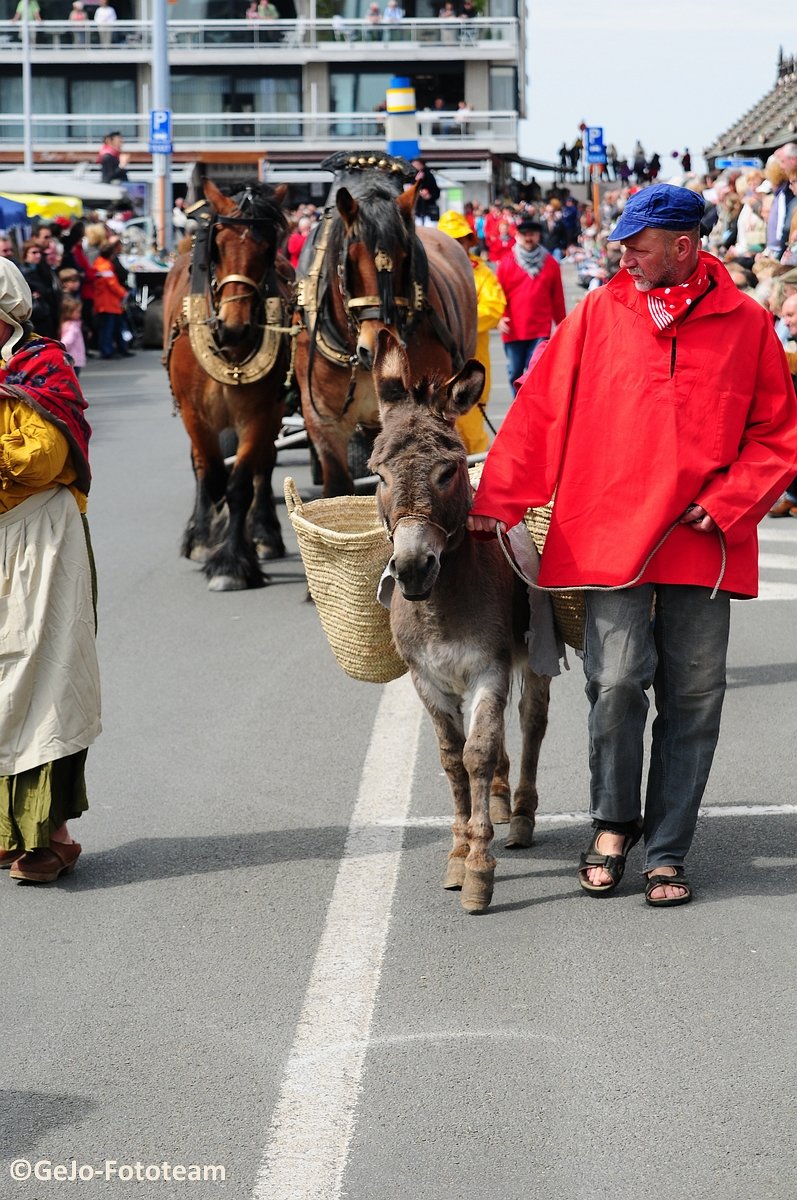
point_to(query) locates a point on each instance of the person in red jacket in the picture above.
(662, 414)
(535, 299)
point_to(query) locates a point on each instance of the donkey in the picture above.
(458, 615)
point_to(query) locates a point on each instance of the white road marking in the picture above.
(313, 1123)
(778, 562)
(583, 818)
(769, 590)
(784, 531)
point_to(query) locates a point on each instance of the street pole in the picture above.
(163, 202)
(27, 141)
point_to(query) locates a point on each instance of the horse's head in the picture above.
(245, 235)
(374, 252)
(424, 492)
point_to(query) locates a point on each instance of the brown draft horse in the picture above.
(227, 354)
(458, 614)
(366, 268)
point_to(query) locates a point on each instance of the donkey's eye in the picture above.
(446, 475)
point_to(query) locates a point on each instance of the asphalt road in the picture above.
(255, 967)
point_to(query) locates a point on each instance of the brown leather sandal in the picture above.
(45, 866)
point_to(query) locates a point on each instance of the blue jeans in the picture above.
(109, 329)
(682, 655)
(518, 355)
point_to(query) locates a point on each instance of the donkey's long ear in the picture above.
(391, 369)
(406, 204)
(347, 206)
(463, 391)
(222, 204)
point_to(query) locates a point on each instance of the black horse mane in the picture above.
(257, 203)
(379, 223)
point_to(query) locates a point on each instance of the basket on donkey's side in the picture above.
(345, 550)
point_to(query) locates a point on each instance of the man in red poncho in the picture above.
(663, 415)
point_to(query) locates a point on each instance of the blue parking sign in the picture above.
(160, 131)
(596, 150)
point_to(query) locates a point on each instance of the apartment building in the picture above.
(273, 96)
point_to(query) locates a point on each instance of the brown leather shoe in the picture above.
(7, 857)
(45, 866)
(785, 507)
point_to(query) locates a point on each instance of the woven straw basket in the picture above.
(344, 550)
(568, 607)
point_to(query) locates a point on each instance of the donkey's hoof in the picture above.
(455, 874)
(500, 809)
(226, 583)
(521, 832)
(477, 890)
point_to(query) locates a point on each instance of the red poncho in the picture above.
(630, 425)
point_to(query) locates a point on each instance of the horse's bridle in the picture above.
(258, 290)
(377, 308)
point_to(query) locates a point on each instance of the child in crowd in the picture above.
(72, 331)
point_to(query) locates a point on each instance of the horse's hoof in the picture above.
(500, 809)
(268, 553)
(455, 874)
(477, 890)
(226, 583)
(521, 832)
(199, 554)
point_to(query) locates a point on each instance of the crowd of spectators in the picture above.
(750, 224)
(80, 289)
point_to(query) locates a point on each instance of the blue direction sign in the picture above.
(160, 131)
(596, 151)
(723, 163)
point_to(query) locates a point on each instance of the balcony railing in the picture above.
(333, 38)
(53, 132)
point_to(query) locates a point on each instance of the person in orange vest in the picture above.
(109, 301)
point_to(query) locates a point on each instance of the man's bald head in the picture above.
(788, 313)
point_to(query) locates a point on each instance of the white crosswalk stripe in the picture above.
(777, 559)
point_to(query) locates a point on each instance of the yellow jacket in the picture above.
(34, 456)
(490, 305)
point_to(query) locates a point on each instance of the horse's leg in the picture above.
(210, 478)
(265, 529)
(329, 433)
(500, 791)
(450, 743)
(264, 526)
(481, 753)
(211, 481)
(533, 723)
(233, 564)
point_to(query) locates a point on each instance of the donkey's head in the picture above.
(424, 491)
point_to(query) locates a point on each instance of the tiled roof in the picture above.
(770, 123)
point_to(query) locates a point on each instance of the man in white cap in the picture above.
(663, 416)
(51, 700)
